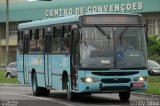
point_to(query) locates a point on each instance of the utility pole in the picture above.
(7, 32)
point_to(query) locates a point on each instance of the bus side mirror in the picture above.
(146, 31)
(76, 35)
(74, 27)
(76, 32)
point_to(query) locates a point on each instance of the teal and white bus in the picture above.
(83, 54)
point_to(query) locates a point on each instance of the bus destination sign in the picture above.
(111, 19)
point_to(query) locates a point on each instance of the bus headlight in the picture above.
(89, 79)
(140, 79)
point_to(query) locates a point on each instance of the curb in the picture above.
(14, 85)
(145, 94)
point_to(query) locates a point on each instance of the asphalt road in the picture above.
(22, 96)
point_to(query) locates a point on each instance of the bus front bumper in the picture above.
(99, 87)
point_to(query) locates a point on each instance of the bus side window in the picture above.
(40, 40)
(32, 41)
(26, 41)
(56, 41)
(48, 37)
(20, 41)
(65, 41)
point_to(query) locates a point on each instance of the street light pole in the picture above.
(7, 31)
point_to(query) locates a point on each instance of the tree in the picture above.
(153, 46)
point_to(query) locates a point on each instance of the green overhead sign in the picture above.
(49, 9)
(110, 6)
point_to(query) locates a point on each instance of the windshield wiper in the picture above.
(103, 32)
(123, 32)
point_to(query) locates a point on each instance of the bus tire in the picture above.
(70, 94)
(36, 90)
(45, 92)
(64, 80)
(124, 96)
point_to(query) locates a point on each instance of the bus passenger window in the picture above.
(56, 41)
(20, 41)
(40, 41)
(32, 41)
(65, 48)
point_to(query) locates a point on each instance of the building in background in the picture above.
(12, 1)
(23, 11)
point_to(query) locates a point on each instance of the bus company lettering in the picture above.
(96, 8)
(65, 62)
(36, 61)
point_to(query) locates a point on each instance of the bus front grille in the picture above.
(116, 80)
(115, 73)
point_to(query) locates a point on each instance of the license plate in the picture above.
(138, 84)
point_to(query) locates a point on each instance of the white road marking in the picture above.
(47, 99)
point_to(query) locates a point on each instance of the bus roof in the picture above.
(59, 20)
(47, 22)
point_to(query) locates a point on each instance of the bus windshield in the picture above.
(112, 47)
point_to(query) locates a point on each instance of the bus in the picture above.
(84, 54)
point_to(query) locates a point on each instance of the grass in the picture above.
(4, 80)
(154, 79)
(153, 85)
(153, 88)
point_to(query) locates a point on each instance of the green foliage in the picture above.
(5, 80)
(153, 46)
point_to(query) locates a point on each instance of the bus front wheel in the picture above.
(36, 90)
(124, 96)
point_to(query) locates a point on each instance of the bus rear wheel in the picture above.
(45, 92)
(36, 90)
(124, 96)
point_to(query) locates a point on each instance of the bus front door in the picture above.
(47, 64)
(25, 60)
